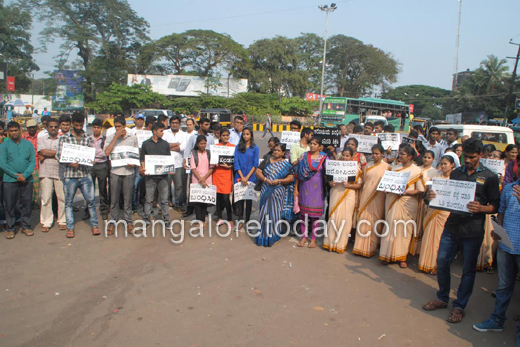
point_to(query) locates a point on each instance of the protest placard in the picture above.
(453, 195)
(365, 142)
(394, 182)
(218, 151)
(242, 192)
(83, 155)
(206, 195)
(495, 165)
(341, 170)
(329, 136)
(392, 140)
(124, 155)
(159, 164)
(290, 138)
(143, 135)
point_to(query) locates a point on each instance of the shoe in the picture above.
(488, 326)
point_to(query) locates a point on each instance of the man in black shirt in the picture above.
(155, 146)
(465, 233)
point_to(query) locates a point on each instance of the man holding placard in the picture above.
(76, 173)
(464, 232)
(122, 173)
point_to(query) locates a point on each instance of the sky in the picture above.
(420, 34)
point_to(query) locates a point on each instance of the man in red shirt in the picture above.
(32, 136)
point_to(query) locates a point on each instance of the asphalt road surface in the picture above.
(214, 291)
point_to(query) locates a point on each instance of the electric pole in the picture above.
(510, 96)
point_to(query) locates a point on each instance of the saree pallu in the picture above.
(272, 199)
(434, 221)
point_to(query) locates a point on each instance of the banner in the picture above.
(83, 155)
(341, 170)
(159, 164)
(124, 155)
(206, 195)
(142, 136)
(242, 192)
(495, 165)
(365, 142)
(69, 91)
(394, 182)
(217, 151)
(392, 140)
(453, 195)
(178, 85)
(290, 138)
(329, 136)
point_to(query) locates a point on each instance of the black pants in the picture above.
(240, 209)
(200, 211)
(224, 203)
(100, 173)
(18, 194)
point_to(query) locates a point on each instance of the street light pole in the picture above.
(327, 10)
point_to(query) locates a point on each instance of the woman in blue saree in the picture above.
(276, 177)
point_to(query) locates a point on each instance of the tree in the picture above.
(103, 33)
(428, 101)
(15, 46)
(355, 68)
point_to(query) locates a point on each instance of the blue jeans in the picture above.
(86, 186)
(508, 265)
(449, 247)
(137, 180)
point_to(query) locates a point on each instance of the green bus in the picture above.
(338, 111)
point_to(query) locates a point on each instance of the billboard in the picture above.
(69, 91)
(178, 85)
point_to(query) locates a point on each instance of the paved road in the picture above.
(212, 291)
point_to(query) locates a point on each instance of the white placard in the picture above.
(242, 192)
(453, 195)
(394, 182)
(159, 164)
(290, 138)
(83, 155)
(142, 136)
(392, 140)
(217, 151)
(124, 155)
(495, 165)
(341, 170)
(365, 142)
(206, 195)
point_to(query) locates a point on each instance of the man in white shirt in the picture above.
(236, 132)
(434, 145)
(178, 140)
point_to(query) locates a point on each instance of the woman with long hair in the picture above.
(341, 204)
(223, 180)
(402, 209)
(433, 224)
(371, 205)
(201, 173)
(276, 176)
(246, 163)
(310, 188)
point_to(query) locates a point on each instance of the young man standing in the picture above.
(268, 126)
(155, 146)
(75, 175)
(236, 132)
(301, 147)
(121, 177)
(178, 141)
(49, 178)
(99, 171)
(18, 161)
(464, 232)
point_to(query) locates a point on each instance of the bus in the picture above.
(338, 111)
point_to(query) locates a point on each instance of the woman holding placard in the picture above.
(310, 189)
(276, 176)
(223, 179)
(371, 205)
(402, 212)
(201, 171)
(433, 224)
(359, 157)
(342, 203)
(246, 162)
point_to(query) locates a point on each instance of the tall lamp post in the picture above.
(327, 10)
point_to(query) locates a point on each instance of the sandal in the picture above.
(434, 305)
(456, 316)
(27, 232)
(45, 229)
(95, 232)
(9, 235)
(70, 234)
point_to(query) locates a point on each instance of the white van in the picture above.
(498, 136)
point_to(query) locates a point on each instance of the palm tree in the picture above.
(491, 74)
